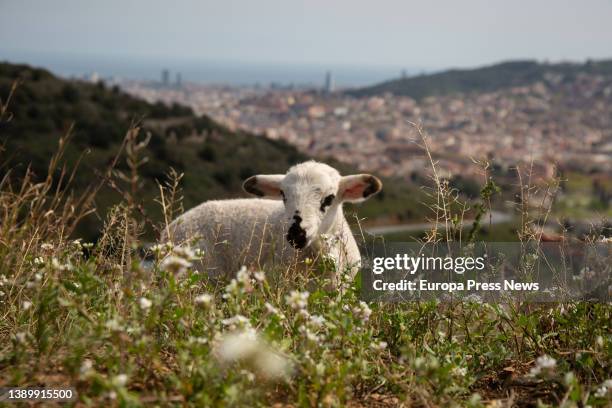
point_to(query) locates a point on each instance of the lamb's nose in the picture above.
(296, 234)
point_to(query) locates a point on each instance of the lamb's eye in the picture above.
(327, 201)
(282, 193)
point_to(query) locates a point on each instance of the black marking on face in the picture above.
(326, 202)
(296, 234)
(250, 186)
(282, 193)
(374, 185)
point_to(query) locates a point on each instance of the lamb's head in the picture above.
(312, 193)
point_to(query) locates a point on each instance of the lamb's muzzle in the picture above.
(296, 235)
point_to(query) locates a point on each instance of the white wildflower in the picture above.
(237, 321)
(57, 265)
(237, 346)
(309, 335)
(544, 365)
(175, 264)
(362, 311)
(246, 347)
(144, 303)
(473, 298)
(459, 371)
(204, 299)
(46, 247)
(259, 276)
(317, 321)
(419, 363)
(243, 276)
(120, 380)
(185, 252)
(38, 261)
(241, 284)
(274, 311)
(271, 364)
(380, 345)
(113, 325)
(26, 305)
(232, 289)
(271, 309)
(197, 340)
(297, 300)
(158, 249)
(86, 369)
(250, 376)
(604, 389)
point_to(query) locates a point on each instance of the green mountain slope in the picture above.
(214, 159)
(484, 79)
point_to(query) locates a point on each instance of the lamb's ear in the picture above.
(357, 188)
(264, 185)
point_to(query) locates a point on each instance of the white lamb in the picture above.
(308, 222)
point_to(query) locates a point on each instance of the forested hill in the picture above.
(484, 79)
(214, 159)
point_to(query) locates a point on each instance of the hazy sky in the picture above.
(427, 34)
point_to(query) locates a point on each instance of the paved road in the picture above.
(497, 217)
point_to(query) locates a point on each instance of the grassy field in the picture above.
(505, 232)
(584, 197)
(122, 332)
(92, 317)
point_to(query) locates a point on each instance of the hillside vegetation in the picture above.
(214, 160)
(484, 79)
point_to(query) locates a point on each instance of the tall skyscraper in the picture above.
(165, 77)
(329, 82)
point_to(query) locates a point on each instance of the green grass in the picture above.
(68, 321)
(584, 197)
(505, 232)
(94, 317)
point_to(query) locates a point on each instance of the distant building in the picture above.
(179, 79)
(329, 82)
(165, 77)
(404, 74)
